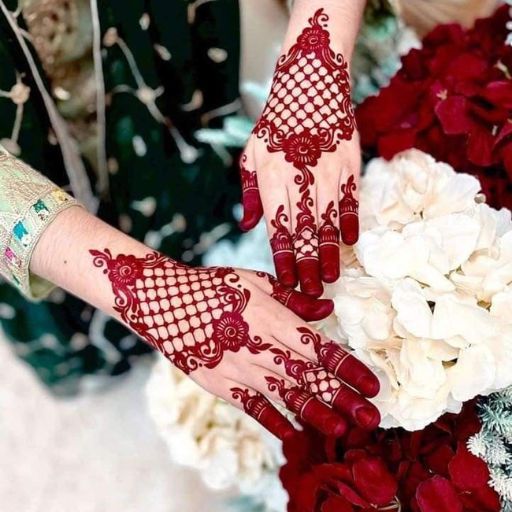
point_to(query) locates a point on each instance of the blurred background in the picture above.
(141, 110)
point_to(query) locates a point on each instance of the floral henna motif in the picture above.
(329, 248)
(304, 405)
(191, 315)
(349, 209)
(305, 242)
(282, 249)
(309, 110)
(257, 406)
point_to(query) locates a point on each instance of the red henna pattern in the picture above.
(257, 406)
(282, 248)
(349, 208)
(248, 178)
(309, 110)
(304, 405)
(329, 244)
(305, 240)
(191, 315)
(253, 208)
(341, 363)
(309, 376)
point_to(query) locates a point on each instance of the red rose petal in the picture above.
(452, 113)
(337, 504)
(468, 472)
(438, 460)
(373, 480)
(499, 93)
(480, 146)
(438, 495)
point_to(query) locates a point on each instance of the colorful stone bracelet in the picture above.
(28, 204)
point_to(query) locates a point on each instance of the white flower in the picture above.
(426, 303)
(227, 447)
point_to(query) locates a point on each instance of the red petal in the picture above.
(468, 472)
(438, 460)
(337, 504)
(438, 495)
(351, 495)
(373, 480)
(394, 142)
(480, 146)
(499, 93)
(452, 113)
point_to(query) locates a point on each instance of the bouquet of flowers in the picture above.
(423, 300)
(455, 103)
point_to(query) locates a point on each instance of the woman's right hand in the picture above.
(238, 334)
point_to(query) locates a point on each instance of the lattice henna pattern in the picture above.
(309, 110)
(191, 315)
(305, 240)
(309, 375)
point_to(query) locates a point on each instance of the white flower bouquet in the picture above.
(425, 295)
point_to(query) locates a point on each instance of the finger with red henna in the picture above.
(251, 201)
(326, 387)
(305, 243)
(350, 369)
(349, 211)
(329, 244)
(345, 400)
(341, 363)
(282, 247)
(308, 408)
(304, 306)
(259, 408)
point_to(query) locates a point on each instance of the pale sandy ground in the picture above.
(95, 453)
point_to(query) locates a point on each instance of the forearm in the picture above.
(345, 19)
(62, 256)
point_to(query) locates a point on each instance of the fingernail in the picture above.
(369, 386)
(367, 417)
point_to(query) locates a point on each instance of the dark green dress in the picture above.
(170, 68)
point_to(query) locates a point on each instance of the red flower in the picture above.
(124, 270)
(426, 471)
(452, 99)
(302, 149)
(231, 331)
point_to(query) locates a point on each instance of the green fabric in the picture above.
(166, 187)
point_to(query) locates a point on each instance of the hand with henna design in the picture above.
(240, 334)
(301, 165)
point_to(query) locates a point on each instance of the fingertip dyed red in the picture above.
(330, 272)
(309, 277)
(349, 229)
(369, 385)
(367, 417)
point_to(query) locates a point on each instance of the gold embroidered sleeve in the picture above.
(28, 204)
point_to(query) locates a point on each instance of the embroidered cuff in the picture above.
(28, 204)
